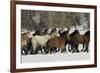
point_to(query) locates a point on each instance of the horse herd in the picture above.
(51, 41)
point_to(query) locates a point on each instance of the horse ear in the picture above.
(53, 30)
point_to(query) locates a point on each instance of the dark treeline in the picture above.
(37, 20)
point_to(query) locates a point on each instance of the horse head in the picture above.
(74, 33)
(54, 33)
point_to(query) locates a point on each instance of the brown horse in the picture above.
(86, 41)
(39, 42)
(77, 39)
(72, 42)
(57, 42)
(25, 40)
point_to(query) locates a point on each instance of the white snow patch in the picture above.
(55, 57)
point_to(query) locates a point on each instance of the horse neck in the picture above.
(87, 33)
(63, 37)
(54, 34)
(47, 36)
(51, 36)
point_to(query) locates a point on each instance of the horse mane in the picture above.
(24, 35)
(63, 33)
(45, 31)
(53, 30)
(38, 32)
(75, 32)
(87, 33)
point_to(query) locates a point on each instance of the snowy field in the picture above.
(55, 57)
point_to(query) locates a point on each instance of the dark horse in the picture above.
(73, 44)
(86, 41)
(77, 39)
(67, 40)
(57, 42)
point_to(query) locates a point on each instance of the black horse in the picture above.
(77, 39)
(86, 42)
(73, 44)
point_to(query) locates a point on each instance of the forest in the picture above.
(32, 20)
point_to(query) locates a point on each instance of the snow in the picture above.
(55, 57)
(80, 28)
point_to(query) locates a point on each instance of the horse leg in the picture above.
(42, 50)
(86, 49)
(69, 47)
(22, 50)
(26, 51)
(82, 48)
(63, 50)
(46, 49)
(29, 46)
(52, 50)
(34, 47)
(57, 49)
(73, 48)
(76, 47)
(39, 48)
(36, 50)
(31, 51)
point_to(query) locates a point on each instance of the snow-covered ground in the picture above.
(55, 57)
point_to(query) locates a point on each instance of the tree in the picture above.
(38, 20)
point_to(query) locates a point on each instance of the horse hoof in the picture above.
(31, 53)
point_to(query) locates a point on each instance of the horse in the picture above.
(25, 40)
(72, 44)
(57, 42)
(87, 40)
(39, 41)
(42, 32)
(77, 39)
(62, 32)
(38, 32)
